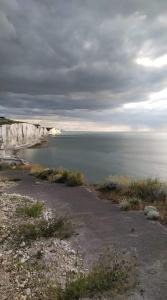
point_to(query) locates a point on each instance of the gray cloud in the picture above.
(77, 58)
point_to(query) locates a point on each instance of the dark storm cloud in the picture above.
(75, 58)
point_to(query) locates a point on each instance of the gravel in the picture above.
(27, 271)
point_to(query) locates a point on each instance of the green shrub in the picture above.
(113, 273)
(31, 210)
(57, 227)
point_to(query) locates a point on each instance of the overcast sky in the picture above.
(85, 64)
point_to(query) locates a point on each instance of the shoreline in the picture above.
(10, 159)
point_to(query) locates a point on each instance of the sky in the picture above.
(85, 64)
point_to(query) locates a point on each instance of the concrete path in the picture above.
(102, 224)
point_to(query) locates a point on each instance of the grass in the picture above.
(70, 178)
(124, 205)
(59, 175)
(75, 179)
(33, 210)
(112, 273)
(58, 227)
(149, 190)
(137, 193)
(133, 203)
(8, 179)
(14, 179)
(34, 169)
(4, 167)
(4, 121)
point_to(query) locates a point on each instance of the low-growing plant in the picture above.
(27, 232)
(44, 174)
(115, 184)
(4, 167)
(124, 204)
(75, 179)
(15, 179)
(34, 169)
(134, 202)
(8, 179)
(149, 190)
(123, 181)
(57, 227)
(39, 254)
(33, 210)
(115, 273)
(61, 175)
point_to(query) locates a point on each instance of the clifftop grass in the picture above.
(32, 210)
(112, 274)
(57, 227)
(136, 194)
(70, 178)
(4, 121)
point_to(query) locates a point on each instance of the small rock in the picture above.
(132, 230)
(23, 297)
(153, 215)
(28, 292)
(22, 244)
(149, 208)
(24, 259)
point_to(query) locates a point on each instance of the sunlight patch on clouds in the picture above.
(153, 63)
(156, 101)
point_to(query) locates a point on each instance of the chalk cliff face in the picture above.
(20, 135)
(54, 131)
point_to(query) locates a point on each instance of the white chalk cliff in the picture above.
(20, 135)
(54, 131)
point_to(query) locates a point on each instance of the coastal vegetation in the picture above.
(33, 210)
(113, 273)
(136, 194)
(5, 121)
(60, 175)
(57, 227)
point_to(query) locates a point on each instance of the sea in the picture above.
(100, 155)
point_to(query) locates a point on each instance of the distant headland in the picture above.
(16, 134)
